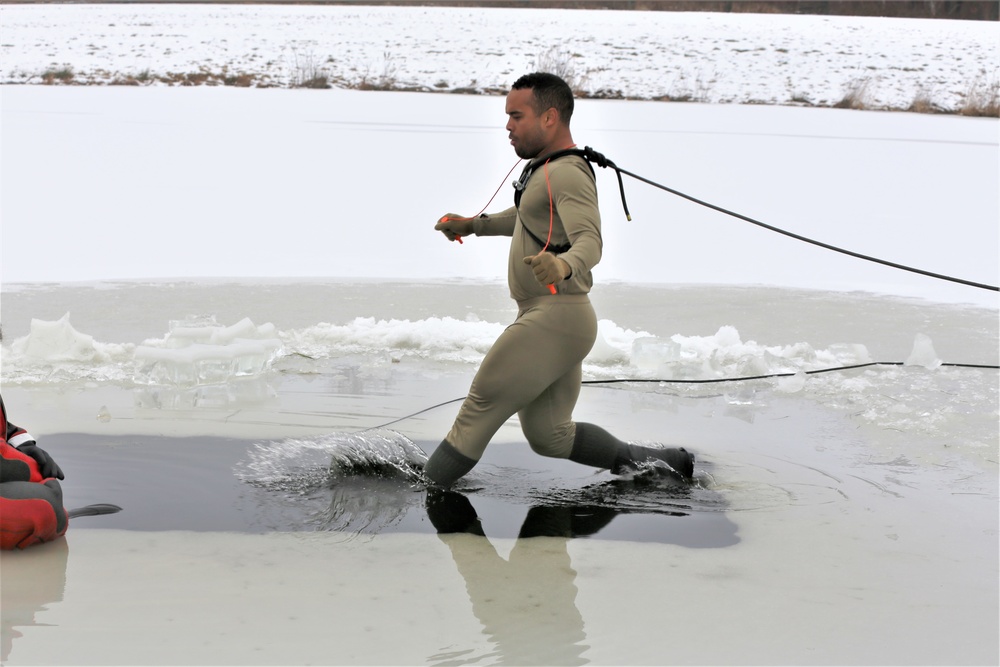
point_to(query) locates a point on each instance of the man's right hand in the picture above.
(454, 226)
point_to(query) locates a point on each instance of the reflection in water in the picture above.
(370, 483)
(32, 579)
(527, 603)
(367, 505)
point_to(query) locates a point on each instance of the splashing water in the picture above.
(301, 464)
(351, 482)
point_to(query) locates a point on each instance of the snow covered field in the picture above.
(730, 58)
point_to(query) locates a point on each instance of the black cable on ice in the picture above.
(771, 375)
(709, 381)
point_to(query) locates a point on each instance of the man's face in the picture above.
(525, 128)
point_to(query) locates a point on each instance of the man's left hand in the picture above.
(548, 269)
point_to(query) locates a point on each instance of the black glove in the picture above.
(46, 465)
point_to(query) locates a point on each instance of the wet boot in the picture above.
(596, 447)
(446, 465)
(680, 460)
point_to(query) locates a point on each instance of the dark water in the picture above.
(366, 484)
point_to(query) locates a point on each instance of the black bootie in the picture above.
(594, 446)
(446, 465)
(680, 460)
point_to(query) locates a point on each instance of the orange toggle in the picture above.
(457, 237)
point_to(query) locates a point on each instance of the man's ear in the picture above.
(551, 117)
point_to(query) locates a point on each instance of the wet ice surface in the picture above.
(797, 507)
(822, 503)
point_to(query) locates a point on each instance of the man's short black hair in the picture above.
(550, 92)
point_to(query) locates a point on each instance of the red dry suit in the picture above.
(31, 506)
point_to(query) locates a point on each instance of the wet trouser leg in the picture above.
(533, 370)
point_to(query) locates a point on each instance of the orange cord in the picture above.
(446, 218)
(548, 187)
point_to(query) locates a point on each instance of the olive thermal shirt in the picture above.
(576, 220)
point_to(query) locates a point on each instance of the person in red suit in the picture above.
(31, 499)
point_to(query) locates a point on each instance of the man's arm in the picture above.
(496, 224)
(574, 194)
(455, 226)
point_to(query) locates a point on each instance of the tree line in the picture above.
(977, 10)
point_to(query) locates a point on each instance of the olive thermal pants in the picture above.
(534, 370)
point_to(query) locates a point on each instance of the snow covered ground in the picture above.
(732, 58)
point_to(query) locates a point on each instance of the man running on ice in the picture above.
(534, 369)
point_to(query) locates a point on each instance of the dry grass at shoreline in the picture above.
(796, 70)
(982, 96)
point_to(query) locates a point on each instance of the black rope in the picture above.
(418, 412)
(709, 381)
(602, 161)
(774, 375)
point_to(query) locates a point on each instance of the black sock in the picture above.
(447, 464)
(593, 446)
